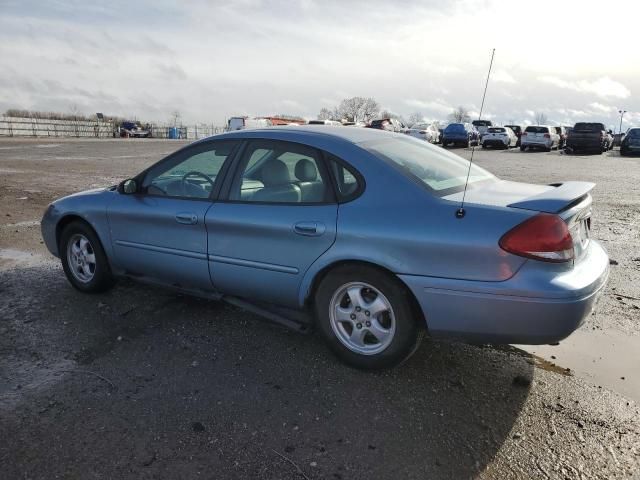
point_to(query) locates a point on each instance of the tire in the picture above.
(399, 334)
(522, 148)
(85, 264)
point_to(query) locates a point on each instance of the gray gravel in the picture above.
(143, 383)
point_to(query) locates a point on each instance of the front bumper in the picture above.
(542, 303)
(48, 229)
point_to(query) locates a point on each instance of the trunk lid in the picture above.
(570, 200)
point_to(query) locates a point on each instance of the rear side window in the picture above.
(634, 133)
(537, 130)
(273, 171)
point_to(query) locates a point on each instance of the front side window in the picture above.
(191, 174)
(442, 172)
(280, 172)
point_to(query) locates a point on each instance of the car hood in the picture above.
(86, 193)
(541, 198)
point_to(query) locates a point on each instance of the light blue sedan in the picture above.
(357, 232)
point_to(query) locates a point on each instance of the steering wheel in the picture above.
(194, 173)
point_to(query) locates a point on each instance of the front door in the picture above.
(279, 217)
(159, 232)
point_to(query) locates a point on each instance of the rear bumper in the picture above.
(541, 304)
(537, 143)
(590, 145)
(494, 142)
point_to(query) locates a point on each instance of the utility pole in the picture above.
(621, 112)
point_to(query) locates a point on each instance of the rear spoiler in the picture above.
(555, 200)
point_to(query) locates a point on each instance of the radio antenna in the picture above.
(460, 213)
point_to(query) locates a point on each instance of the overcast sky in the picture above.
(572, 60)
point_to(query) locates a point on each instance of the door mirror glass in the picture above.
(129, 186)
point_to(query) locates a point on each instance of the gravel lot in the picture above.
(143, 383)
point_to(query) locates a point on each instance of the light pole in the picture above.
(621, 112)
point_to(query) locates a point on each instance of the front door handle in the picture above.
(186, 218)
(309, 229)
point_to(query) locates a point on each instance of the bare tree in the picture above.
(74, 111)
(460, 115)
(540, 118)
(325, 114)
(416, 117)
(358, 109)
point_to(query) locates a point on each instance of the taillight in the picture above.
(543, 237)
(546, 135)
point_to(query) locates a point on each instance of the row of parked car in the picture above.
(583, 136)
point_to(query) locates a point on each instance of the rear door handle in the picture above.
(309, 229)
(186, 218)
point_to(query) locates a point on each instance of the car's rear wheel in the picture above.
(83, 259)
(366, 318)
(522, 148)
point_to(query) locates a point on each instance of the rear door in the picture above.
(159, 232)
(279, 216)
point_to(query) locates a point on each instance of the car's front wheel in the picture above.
(83, 259)
(366, 318)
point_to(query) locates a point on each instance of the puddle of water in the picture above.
(603, 358)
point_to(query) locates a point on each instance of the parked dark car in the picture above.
(517, 129)
(590, 136)
(482, 126)
(630, 142)
(464, 134)
(132, 129)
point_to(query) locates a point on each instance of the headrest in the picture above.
(275, 172)
(305, 170)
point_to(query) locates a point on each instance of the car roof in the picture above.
(352, 135)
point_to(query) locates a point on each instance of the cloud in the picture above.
(503, 77)
(436, 106)
(603, 87)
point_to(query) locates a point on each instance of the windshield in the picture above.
(442, 172)
(455, 127)
(481, 123)
(496, 130)
(634, 133)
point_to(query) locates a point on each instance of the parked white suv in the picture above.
(539, 136)
(502, 137)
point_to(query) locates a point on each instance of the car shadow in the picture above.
(156, 384)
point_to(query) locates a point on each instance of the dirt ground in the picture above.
(141, 382)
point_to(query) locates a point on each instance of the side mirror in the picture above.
(129, 186)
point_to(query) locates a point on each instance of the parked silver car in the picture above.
(425, 131)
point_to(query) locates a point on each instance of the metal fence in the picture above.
(38, 127)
